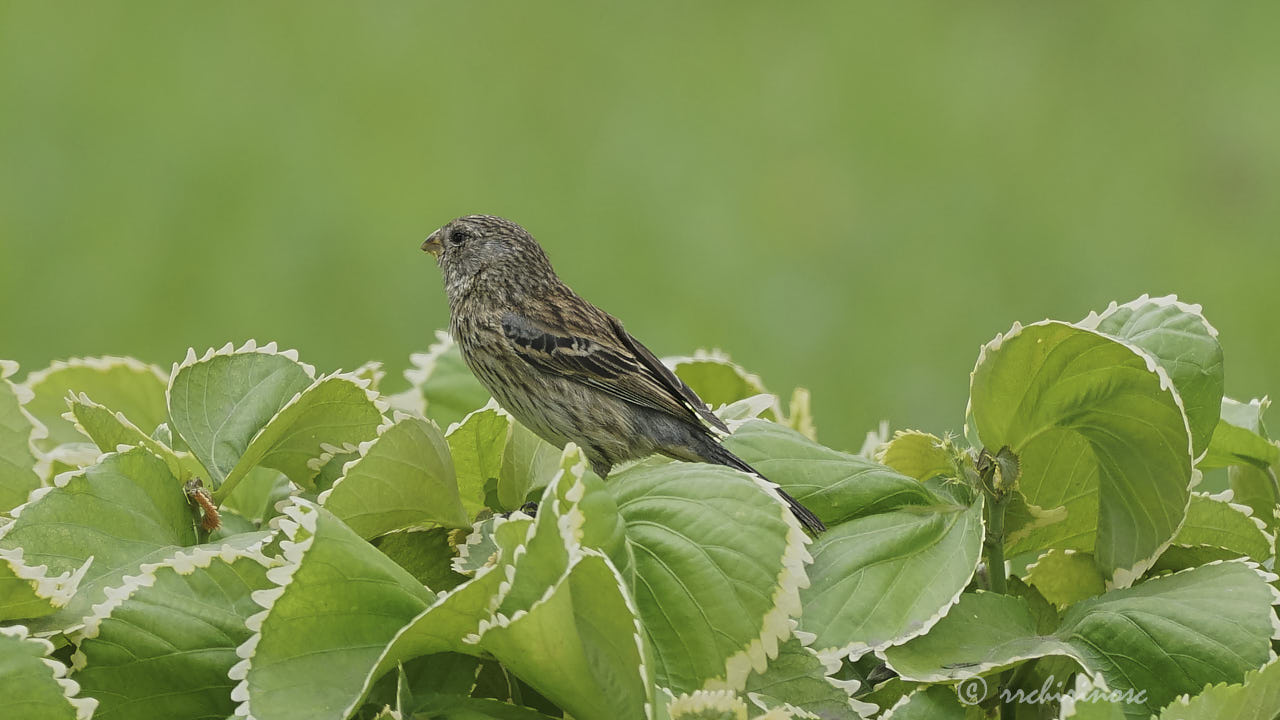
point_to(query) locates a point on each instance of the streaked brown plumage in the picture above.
(564, 368)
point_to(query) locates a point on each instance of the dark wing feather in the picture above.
(618, 365)
(674, 385)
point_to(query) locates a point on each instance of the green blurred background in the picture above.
(848, 197)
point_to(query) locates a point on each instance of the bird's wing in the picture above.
(616, 364)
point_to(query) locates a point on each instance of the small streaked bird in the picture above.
(563, 367)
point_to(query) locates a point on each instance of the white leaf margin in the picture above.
(855, 650)
(477, 537)
(57, 590)
(706, 701)
(1094, 318)
(491, 406)
(85, 706)
(422, 365)
(569, 523)
(361, 449)
(161, 450)
(249, 346)
(183, 562)
(1123, 577)
(24, 395)
(44, 461)
(298, 515)
(777, 624)
(379, 403)
(1227, 497)
(830, 666)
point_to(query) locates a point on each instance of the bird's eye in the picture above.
(459, 236)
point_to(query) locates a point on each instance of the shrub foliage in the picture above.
(375, 556)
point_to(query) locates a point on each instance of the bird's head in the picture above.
(486, 245)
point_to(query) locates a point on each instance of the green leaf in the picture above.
(337, 603)
(477, 444)
(1178, 337)
(1255, 699)
(928, 703)
(124, 510)
(984, 632)
(717, 379)
(403, 478)
(1214, 521)
(460, 707)
(1099, 430)
(334, 410)
(1240, 438)
(484, 543)
(255, 497)
(918, 455)
(836, 486)
(18, 433)
(719, 382)
(110, 430)
(528, 464)
(880, 579)
(163, 642)
(453, 622)
(33, 685)
(426, 554)
(29, 592)
(1173, 635)
(128, 385)
(1153, 641)
(218, 403)
(603, 527)
(580, 645)
(718, 566)
(797, 677)
(441, 381)
(1065, 577)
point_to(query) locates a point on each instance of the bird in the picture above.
(564, 368)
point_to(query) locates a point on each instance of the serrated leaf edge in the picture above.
(85, 706)
(250, 346)
(423, 364)
(379, 403)
(182, 562)
(857, 649)
(569, 524)
(362, 450)
(82, 399)
(1187, 700)
(102, 362)
(703, 701)
(1094, 317)
(1122, 577)
(58, 590)
(476, 537)
(776, 625)
(298, 515)
(39, 431)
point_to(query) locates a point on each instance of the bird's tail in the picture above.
(721, 455)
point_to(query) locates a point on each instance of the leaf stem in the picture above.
(228, 484)
(513, 687)
(997, 581)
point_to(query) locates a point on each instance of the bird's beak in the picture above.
(432, 244)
